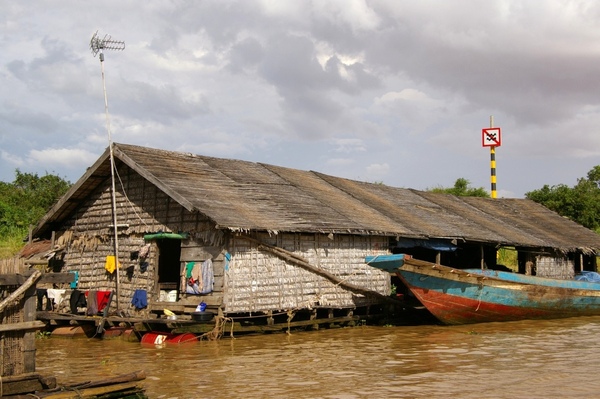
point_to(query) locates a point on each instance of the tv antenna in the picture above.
(98, 45)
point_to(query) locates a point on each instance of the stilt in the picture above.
(313, 316)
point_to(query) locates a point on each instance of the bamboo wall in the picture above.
(12, 266)
(554, 267)
(17, 345)
(256, 281)
(144, 209)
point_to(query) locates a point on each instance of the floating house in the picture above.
(251, 238)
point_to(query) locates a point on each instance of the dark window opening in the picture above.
(169, 253)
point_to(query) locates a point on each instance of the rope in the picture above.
(291, 315)
(219, 329)
(127, 198)
(479, 295)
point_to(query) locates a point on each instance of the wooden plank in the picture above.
(57, 278)
(22, 326)
(259, 328)
(134, 376)
(214, 299)
(22, 386)
(21, 290)
(200, 253)
(28, 382)
(19, 279)
(130, 387)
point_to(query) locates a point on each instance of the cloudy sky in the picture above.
(385, 91)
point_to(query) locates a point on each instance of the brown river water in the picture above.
(530, 359)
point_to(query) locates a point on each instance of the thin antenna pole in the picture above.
(98, 45)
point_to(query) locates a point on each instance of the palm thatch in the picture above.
(245, 196)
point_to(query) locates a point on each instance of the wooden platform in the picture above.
(69, 325)
(35, 386)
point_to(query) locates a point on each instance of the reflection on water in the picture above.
(533, 359)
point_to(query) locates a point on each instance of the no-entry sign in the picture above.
(491, 137)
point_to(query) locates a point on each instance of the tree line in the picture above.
(580, 203)
(23, 203)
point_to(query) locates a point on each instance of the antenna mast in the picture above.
(98, 45)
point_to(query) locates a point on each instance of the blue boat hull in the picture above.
(457, 296)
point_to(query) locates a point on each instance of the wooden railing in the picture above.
(12, 265)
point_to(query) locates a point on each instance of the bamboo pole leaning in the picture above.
(303, 263)
(13, 297)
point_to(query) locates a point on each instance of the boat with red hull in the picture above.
(465, 296)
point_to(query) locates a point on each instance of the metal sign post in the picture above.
(491, 137)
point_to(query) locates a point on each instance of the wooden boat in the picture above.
(464, 296)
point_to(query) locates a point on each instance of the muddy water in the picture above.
(532, 359)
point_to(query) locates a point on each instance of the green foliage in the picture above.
(580, 203)
(22, 204)
(508, 257)
(462, 189)
(43, 334)
(11, 241)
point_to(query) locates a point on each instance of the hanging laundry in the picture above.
(73, 284)
(227, 259)
(207, 277)
(143, 267)
(140, 299)
(41, 294)
(193, 276)
(110, 265)
(103, 299)
(144, 251)
(55, 295)
(77, 301)
(92, 303)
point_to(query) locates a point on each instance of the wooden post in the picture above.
(482, 257)
(29, 309)
(270, 319)
(313, 316)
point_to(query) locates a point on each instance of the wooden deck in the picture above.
(230, 324)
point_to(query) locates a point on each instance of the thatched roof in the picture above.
(247, 196)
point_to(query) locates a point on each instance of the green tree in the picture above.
(24, 201)
(580, 203)
(462, 189)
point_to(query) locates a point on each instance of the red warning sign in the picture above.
(491, 137)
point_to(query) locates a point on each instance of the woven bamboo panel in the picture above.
(12, 342)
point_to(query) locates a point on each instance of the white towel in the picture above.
(56, 295)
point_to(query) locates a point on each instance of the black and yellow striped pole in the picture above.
(493, 170)
(491, 137)
(493, 163)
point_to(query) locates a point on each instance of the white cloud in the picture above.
(378, 170)
(61, 157)
(354, 88)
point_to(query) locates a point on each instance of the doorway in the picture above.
(169, 264)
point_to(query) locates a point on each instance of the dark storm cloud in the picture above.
(19, 120)
(531, 77)
(402, 81)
